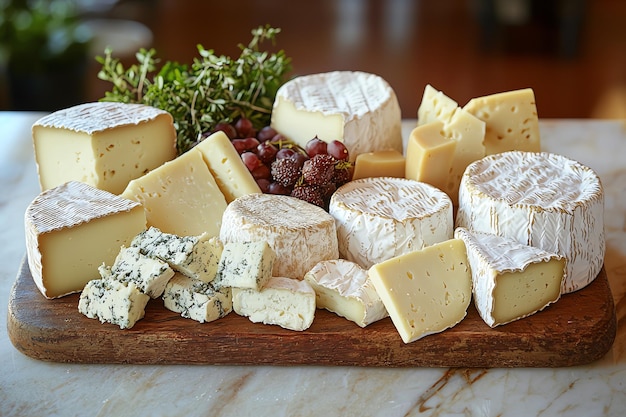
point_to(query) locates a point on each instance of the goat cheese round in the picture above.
(539, 199)
(301, 234)
(383, 217)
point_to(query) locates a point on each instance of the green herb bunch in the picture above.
(213, 89)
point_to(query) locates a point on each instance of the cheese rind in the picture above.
(286, 302)
(197, 300)
(301, 234)
(383, 163)
(103, 144)
(358, 108)
(510, 280)
(344, 288)
(71, 230)
(539, 199)
(425, 291)
(379, 218)
(245, 265)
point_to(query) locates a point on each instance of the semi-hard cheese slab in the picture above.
(578, 329)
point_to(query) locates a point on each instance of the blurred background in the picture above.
(571, 52)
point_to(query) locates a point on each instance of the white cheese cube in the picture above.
(245, 265)
(112, 301)
(344, 288)
(286, 302)
(196, 300)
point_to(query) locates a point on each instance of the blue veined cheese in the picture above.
(245, 265)
(149, 274)
(196, 300)
(510, 280)
(112, 301)
(194, 256)
(286, 302)
(344, 288)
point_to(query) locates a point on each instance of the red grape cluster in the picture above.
(280, 166)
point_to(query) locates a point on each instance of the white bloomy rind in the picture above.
(539, 199)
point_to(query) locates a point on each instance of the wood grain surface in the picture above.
(578, 329)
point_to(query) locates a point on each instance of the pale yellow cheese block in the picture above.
(383, 163)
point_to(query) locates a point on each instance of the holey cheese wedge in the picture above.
(102, 144)
(425, 291)
(358, 108)
(510, 280)
(542, 200)
(74, 228)
(379, 218)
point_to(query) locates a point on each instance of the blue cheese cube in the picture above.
(196, 300)
(245, 265)
(112, 301)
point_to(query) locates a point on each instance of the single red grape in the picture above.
(244, 128)
(285, 153)
(315, 146)
(266, 133)
(266, 152)
(338, 150)
(251, 160)
(261, 172)
(227, 128)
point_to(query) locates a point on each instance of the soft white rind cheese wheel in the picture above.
(300, 233)
(539, 199)
(380, 218)
(358, 108)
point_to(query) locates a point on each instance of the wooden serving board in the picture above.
(578, 329)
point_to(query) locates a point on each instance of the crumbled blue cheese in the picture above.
(196, 300)
(245, 265)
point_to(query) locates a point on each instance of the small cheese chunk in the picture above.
(426, 291)
(510, 280)
(150, 275)
(286, 302)
(231, 174)
(435, 105)
(344, 288)
(194, 256)
(71, 230)
(245, 265)
(103, 144)
(384, 163)
(113, 301)
(180, 197)
(511, 119)
(196, 300)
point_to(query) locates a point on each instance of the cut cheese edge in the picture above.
(383, 163)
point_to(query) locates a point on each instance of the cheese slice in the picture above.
(511, 118)
(180, 197)
(358, 108)
(435, 105)
(301, 234)
(425, 291)
(285, 302)
(71, 230)
(379, 218)
(245, 265)
(539, 199)
(510, 280)
(197, 300)
(103, 144)
(344, 288)
(383, 163)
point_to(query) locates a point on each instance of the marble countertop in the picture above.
(31, 387)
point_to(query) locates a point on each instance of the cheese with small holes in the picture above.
(511, 121)
(71, 230)
(425, 291)
(344, 288)
(383, 163)
(112, 301)
(357, 108)
(194, 256)
(231, 174)
(103, 144)
(285, 302)
(150, 275)
(510, 280)
(245, 265)
(379, 218)
(197, 300)
(301, 234)
(539, 199)
(435, 105)
(180, 197)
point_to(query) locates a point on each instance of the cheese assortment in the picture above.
(357, 108)
(542, 200)
(344, 288)
(301, 234)
(510, 280)
(102, 144)
(71, 230)
(379, 218)
(197, 300)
